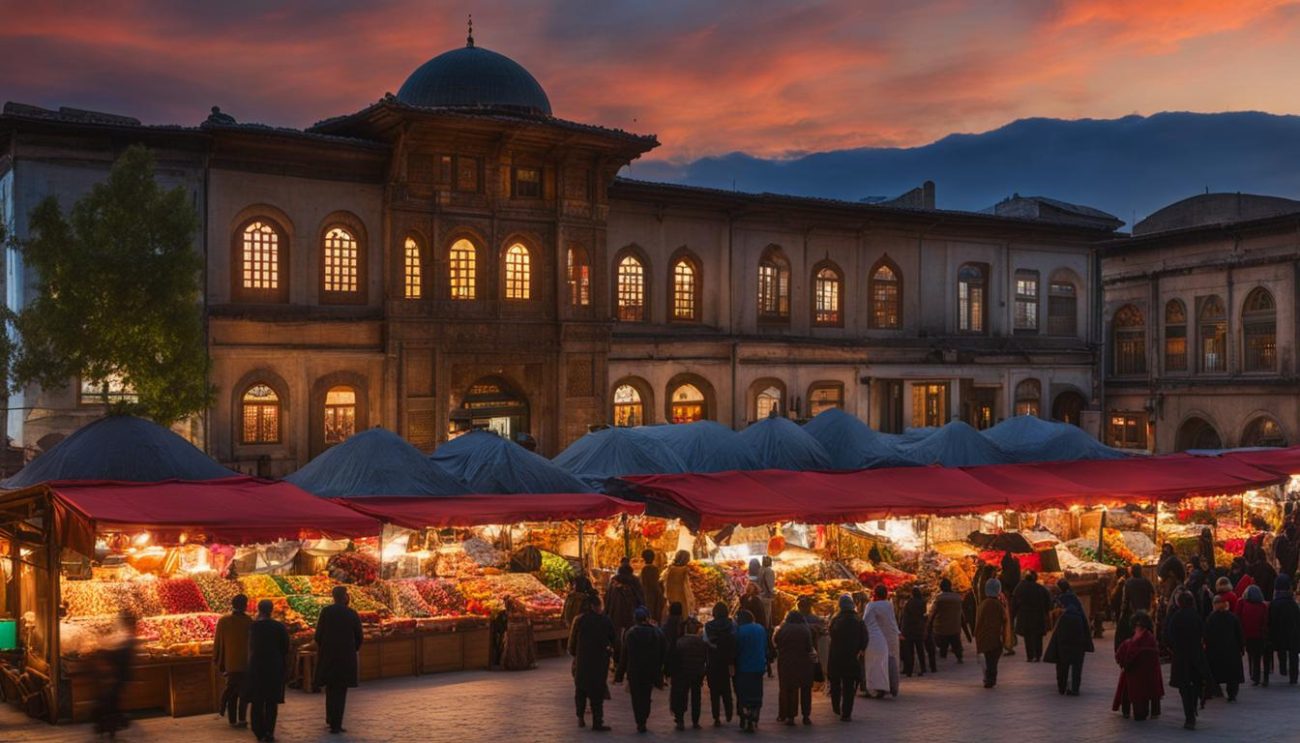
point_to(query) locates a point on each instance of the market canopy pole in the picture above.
(627, 540)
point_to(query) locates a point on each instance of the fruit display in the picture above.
(353, 567)
(891, 577)
(710, 584)
(405, 600)
(321, 585)
(556, 572)
(181, 596)
(293, 585)
(441, 596)
(217, 591)
(175, 629)
(260, 586)
(308, 607)
(93, 597)
(1027, 560)
(487, 595)
(824, 593)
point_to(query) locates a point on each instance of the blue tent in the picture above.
(955, 445)
(852, 444)
(1028, 438)
(491, 464)
(120, 447)
(375, 462)
(781, 444)
(615, 452)
(705, 446)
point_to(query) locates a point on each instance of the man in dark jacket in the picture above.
(268, 668)
(1263, 573)
(1138, 592)
(1224, 644)
(651, 588)
(1169, 571)
(338, 638)
(912, 631)
(720, 636)
(844, 664)
(1284, 628)
(230, 653)
(946, 620)
(622, 598)
(1070, 640)
(1030, 607)
(686, 665)
(1189, 672)
(641, 660)
(1010, 575)
(591, 642)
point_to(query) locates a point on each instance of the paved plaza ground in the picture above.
(537, 706)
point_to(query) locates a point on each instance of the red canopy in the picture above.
(236, 510)
(765, 496)
(415, 512)
(1281, 461)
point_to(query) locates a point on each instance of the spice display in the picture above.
(556, 572)
(353, 567)
(181, 596)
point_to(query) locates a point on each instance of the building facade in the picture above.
(455, 255)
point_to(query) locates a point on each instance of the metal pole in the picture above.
(1101, 535)
(582, 557)
(52, 649)
(1155, 527)
(627, 540)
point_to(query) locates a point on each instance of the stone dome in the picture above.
(473, 77)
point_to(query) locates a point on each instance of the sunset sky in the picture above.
(766, 77)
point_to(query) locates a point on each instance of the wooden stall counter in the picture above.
(173, 686)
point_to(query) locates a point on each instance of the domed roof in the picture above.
(473, 77)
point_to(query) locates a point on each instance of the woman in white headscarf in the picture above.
(881, 658)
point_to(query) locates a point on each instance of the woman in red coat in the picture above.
(1252, 610)
(1140, 683)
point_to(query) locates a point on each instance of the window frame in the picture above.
(1124, 421)
(579, 287)
(837, 278)
(413, 270)
(1175, 320)
(685, 257)
(1031, 300)
(1028, 392)
(815, 387)
(242, 406)
(521, 286)
(1055, 298)
(475, 284)
(644, 401)
(516, 190)
(1220, 324)
(925, 392)
(239, 293)
(758, 388)
(327, 408)
(1259, 322)
(1133, 333)
(701, 385)
(774, 260)
(643, 311)
(966, 316)
(353, 228)
(873, 282)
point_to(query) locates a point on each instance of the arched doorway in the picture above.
(1068, 407)
(1197, 433)
(494, 404)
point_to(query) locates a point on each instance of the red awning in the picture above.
(235, 510)
(1281, 461)
(766, 496)
(415, 512)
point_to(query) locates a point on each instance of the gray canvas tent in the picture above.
(615, 452)
(1028, 438)
(956, 444)
(852, 444)
(705, 446)
(375, 462)
(781, 444)
(490, 464)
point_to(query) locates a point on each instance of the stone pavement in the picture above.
(537, 706)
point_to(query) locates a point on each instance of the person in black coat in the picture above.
(1287, 551)
(720, 636)
(844, 662)
(268, 669)
(912, 643)
(1224, 645)
(686, 666)
(338, 638)
(1031, 605)
(1284, 628)
(1010, 575)
(591, 643)
(1189, 672)
(1070, 640)
(641, 661)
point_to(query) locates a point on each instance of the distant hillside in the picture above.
(1128, 167)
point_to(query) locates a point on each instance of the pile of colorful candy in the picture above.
(182, 596)
(353, 567)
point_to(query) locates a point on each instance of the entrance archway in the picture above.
(1068, 407)
(494, 404)
(1197, 433)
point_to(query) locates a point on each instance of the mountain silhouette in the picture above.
(1128, 166)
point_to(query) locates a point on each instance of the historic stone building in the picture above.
(455, 255)
(1200, 316)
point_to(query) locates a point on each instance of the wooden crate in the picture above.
(148, 689)
(191, 691)
(477, 645)
(441, 651)
(397, 656)
(368, 661)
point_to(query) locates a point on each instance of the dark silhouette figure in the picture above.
(338, 638)
(268, 669)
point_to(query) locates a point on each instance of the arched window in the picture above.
(1062, 305)
(824, 396)
(972, 293)
(1029, 396)
(1263, 431)
(1212, 329)
(1129, 333)
(262, 249)
(579, 277)
(885, 288)
(1259, 331)
(630, 290)
(260, 406)
(340, 414)
(1068, 407)
(1197, 433)
(519, 275)
(1026, 317)
(412, 273)
(768, 402)
(828, 296)
(1175, 336)
(773, 286)
(686, 289)
(462, 270)
(687, 404)
(629, 408)
(341, 262)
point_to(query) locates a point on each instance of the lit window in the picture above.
(1128, 430)
(631, 290)
(340, 414)
(687, 404)
(826, 297)
(1029, 395)
(1213, 323)
(824, 396)
(528, 183)
(261, 414)
(1263, 431)
(1175, 336)
(767, 403)
(340, 261)
(1259, 331)
(1026, 300)
(579, 273)
(1129, 341)
(629, 409)
(462, 270)
(886, 311)
(773, 286)
(929, 405)
(260, 267)
(111, 389)
(518, 272)
(684, 288)
(1062, 308)
(971, 293)
(412, 269)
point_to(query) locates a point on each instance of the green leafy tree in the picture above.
(118, 290)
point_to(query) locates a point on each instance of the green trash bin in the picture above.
(8, 634)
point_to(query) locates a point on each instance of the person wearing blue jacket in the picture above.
(751, 664)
